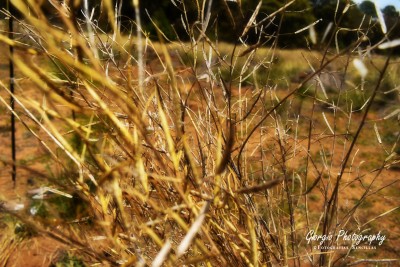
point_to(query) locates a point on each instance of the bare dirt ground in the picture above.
(35, 250)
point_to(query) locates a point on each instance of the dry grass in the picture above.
(202, 153)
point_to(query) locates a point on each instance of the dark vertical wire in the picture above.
(11, 74)
(79, 52)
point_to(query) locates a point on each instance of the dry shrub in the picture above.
(191, 153)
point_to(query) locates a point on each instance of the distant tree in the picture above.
(350, 20)
(390, 11)
(3, 5)
(228, 19)
(162, 13)
(295, 17)
(316, 3)
(368, 8)
(391, 16)
(392, 20)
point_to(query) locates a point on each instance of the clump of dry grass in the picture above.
(170, 157)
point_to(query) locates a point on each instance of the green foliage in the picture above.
(37, 208)
(57, 207)
(76, 142)
(392, 20)
(68, 260)
(295, 17)
(228, 18)
(368, 8)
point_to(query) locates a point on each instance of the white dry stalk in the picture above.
(252, 19)
(274, 13)
(262, 141)
(378, 136)
(327, 123)
(318, 79)
(346, 8)
(327, 30)
(187, 240)
(366, 102)
(308, 27)
(390, 44)
(162, 255)
(393, 90)
(206, 19)
(392, 155)
(98, 237)
(394, 113)
(352, 163)
(322, 86)
(313, 34)
(380, 17)
(12, 206)
(117, 21)
(323, 158)
(139, 44)
(361, 68)
(40, 193)
(89, 27)
(381, 215)
(296, 136)
(117, 12)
